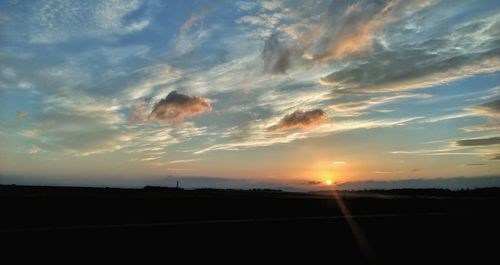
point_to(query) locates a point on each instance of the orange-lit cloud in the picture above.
(332, 36)
(356, 32)
(177, 107)
(195, 18)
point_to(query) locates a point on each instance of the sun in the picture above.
(328, 182)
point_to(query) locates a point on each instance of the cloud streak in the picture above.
(479, 141)
(358, 108)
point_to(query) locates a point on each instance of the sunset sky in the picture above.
(285, 92)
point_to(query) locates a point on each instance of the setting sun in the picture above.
(328, 182)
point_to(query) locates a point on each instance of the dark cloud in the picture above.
(479, 141)
(177, 107)
(408, 67)
(495, 157)
(276, 55)
(491, 110)
(302, 119)
(475, 165)
(313, 182)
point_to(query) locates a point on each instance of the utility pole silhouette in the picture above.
(177, 186)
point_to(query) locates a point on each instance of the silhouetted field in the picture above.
(400, 226)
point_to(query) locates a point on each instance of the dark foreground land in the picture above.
(397, 227)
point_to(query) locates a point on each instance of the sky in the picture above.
(292, 93)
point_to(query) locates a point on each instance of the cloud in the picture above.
(338, 32)
(194, 19)
(246, 6)
(270, 5)
(186, 43)
(57, 20)
(478, 141)
(313, 182)
(150, 141)
(408, 69)
(491, 110)
(475, 165)
(276, 55)
(176, 107)
(493, 93)
(150, 78)
(446, 117)
(75, 134)
(257, 133)
(192, 33)
(182, 161)
(358, 108)
(138, 113)
(302, 119)
(89, 142)
(78, 104)
(33, 150)
(439, 60)
(352, 33)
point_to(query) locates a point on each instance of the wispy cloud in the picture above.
(340, 31)
(259, 134)
(421, 65)
(77, 135)
(57, 20)
(183, 161)
(358, 108)
(491, 110)
(193, 33)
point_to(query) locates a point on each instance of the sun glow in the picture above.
(328, 182)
